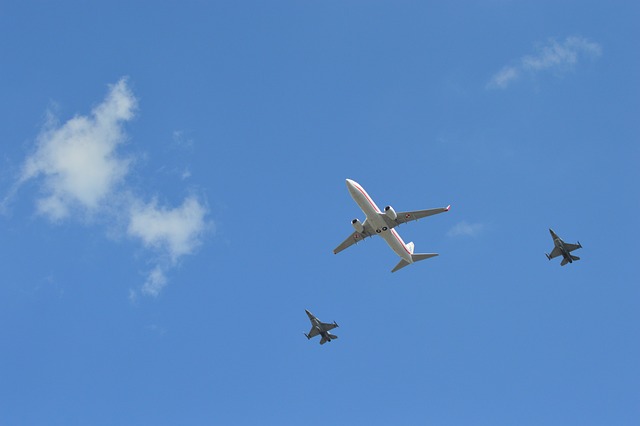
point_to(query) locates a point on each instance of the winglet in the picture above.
(447, 208)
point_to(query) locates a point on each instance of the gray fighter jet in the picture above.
(562, 249)
(321, 328)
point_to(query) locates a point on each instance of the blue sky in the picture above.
(173, 185)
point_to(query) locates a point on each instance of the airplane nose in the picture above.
(351, 186)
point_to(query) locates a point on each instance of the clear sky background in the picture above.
(172, 186)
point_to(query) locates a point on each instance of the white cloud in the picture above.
(559, 56)
(175, 232)
(156, 281)
(466, 229)
(80, 171)
(504, 77)
(77, 160)
(553, 56)
(171, 233)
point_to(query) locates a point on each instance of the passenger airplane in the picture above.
(382, 224)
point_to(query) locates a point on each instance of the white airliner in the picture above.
(382, 224)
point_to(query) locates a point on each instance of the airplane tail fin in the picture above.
(415, 257)
(410, 247)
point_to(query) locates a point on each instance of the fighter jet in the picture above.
(321, 328)
(382, 223)
(562, 248)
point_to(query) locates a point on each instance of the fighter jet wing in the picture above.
(555, 252)
(404, 217)
(354, 238)
(312, 333)
(572, 247)
(327, 326)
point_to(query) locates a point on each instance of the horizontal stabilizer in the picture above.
(422, 256)
(330, 336)
(575, 257)
(415, 257)
(400, 265)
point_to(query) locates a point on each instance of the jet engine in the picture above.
(357, 225)
(390, 212)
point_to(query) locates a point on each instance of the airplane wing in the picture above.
(572, 247)
(312, 333)
(355, 238)
(404, 217)
(555, 252)
(327, 326)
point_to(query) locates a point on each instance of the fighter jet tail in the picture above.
(331, 337)
(565, 260)
(415, 257)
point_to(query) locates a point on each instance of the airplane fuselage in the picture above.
(374, 218)
(317, 324)
(557, 241)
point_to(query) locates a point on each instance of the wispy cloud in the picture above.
(156, 281)
(77, 160)
(80, 171)
(552, 56)
(466, 229)
(504, 77)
